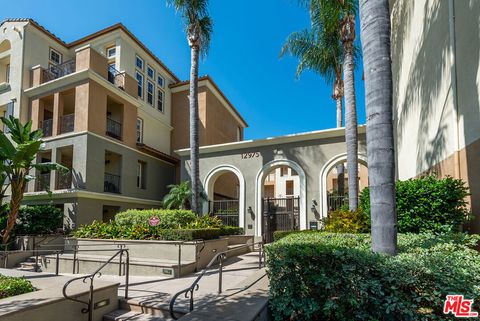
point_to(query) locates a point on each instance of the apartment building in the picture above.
(435, 55)
(109, 109)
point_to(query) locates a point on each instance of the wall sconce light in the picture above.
(250, 211)
(314, 206)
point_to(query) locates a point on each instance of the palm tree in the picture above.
(198, 27)
(178, 197)
(18, 161)
(375, 33)
(320, 51)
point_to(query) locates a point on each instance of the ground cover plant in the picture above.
(10, 286)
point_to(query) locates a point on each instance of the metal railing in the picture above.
(64, 180)
(67, 123)
(47, 127)
(114, 128)
(58, 71)
(116, 77)
(336, 202)
(220, 257)
(91, 277)
(42, 182)
(225, 210)
(111, 183)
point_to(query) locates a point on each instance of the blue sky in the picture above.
(243, 58)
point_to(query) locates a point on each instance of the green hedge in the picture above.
(35, 220)
(427, 204)
(10, 286)
(100, 230)
(326, 276)
(169, 219)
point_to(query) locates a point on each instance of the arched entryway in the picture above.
(225, 189)
(280, 198)
(334, 192)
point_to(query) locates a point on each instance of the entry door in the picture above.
(279, 214)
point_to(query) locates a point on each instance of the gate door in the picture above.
(279, 214)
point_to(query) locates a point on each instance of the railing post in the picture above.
(57, 263)
(74, 257)
(127, 274)
(260, 250)
(220, 272)
(191, 300)
(90, 300)
(180, 259)
(120, 264)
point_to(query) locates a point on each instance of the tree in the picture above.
(18, 159)
(179, 196)
(375, 34)
(198, 27)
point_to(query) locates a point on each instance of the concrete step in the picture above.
(151, 307)
(126, 315)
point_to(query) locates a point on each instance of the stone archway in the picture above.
(334, 161)
(260, 178)
(209, 184)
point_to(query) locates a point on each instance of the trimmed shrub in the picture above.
(205, 222)
(325, 276)
(35, 220)
(345, 221)
(10, 286)
(231, 230)
(169, 219)
(427, 204)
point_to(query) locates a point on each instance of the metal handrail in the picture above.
(188, 292)
(89, 303)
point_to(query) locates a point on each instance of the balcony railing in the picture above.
(47, 126)
(58, 71)
(116, 77)
(114, 128)
(67, 123)
(42, 182)
(111, 183)
(64, 180)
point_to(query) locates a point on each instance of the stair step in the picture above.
(149, 307)
(126, 315)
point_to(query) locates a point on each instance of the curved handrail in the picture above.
(188, 292)
(89, 303)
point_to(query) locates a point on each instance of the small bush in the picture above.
(231, 230)
(169, 219)
(345, 221)
(427, 204)
(206, 221)
(10, 286)
(35, 220)
(325, 276)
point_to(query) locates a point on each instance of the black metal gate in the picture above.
(226, 210)
(279, 214)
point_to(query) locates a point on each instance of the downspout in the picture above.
(453, 76)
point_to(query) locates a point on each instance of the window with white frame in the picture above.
(139, 130)
(150, 92)
(55, 56)
(139, 78)
(111, 52)
(139, 62)
(160, 97)
(160, 81)
(150, 72)
(141, 175)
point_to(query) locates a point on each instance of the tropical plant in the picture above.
(179, 196)
(375, 33)
(198, 27)
(18, 159)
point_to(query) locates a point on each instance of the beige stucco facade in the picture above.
(435, 55)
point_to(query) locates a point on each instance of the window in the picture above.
(150, 72)
(289, 188)
(139, 62)
(7, 74)
(139, 130)
(139, 77)
(150, 92)
(160, 100)
(294, 172)
(111, 52)
(160, 81)
(141, 183)
(55, 56)
(283, 171)
(239, 133)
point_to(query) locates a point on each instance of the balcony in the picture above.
(64, 180)
(67, 123)
(111, 183)
(116, 77)
(42, 182)
(114, 129)
(58, 71)
(47, 127)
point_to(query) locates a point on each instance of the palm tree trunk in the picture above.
(375, 33)
(18, 189)
(340, 167)
(351, 130)
(194, 138)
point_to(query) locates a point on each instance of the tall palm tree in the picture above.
(198, 27)
(375, 33)
(320, 51)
